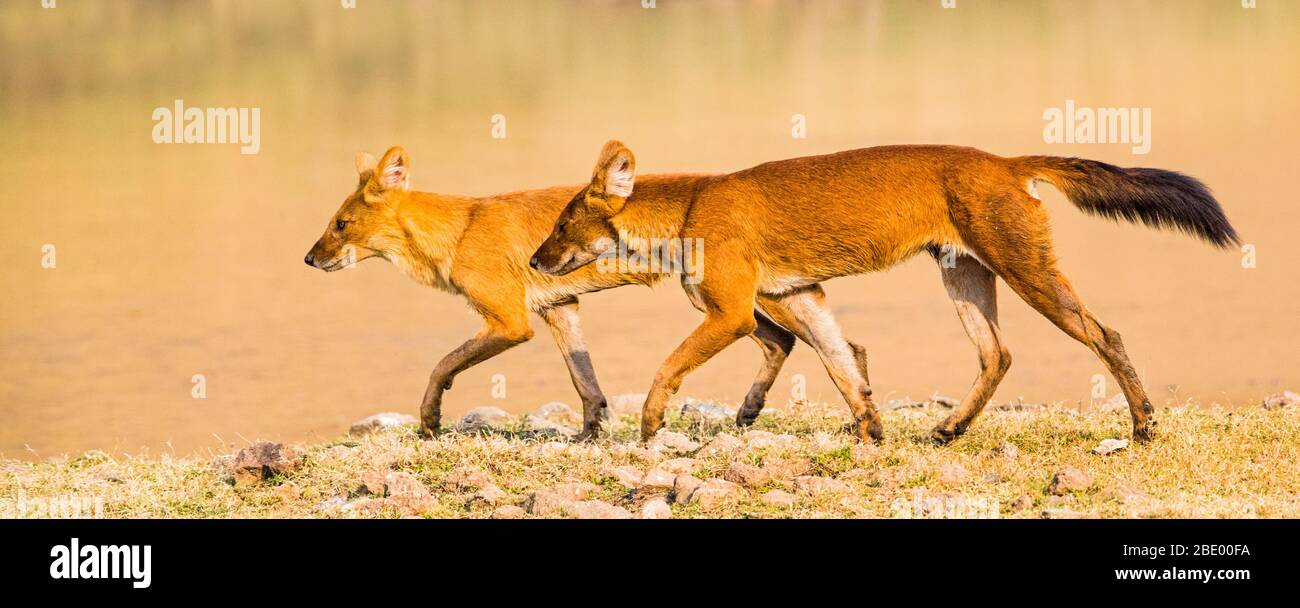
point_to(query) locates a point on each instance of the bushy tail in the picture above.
(1155, 197)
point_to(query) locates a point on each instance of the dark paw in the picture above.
(588, 434)
(866, 431)
(747, 415)
(429, 430)
(944, 436)
(1145, 433)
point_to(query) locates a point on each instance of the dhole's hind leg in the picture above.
(1029, 268)
(776, 343)
(496, 337)
(973, 290)
(1051, 294)
(806, 313)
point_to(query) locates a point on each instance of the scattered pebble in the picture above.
(1281, 400)
(385, 421)
(1108, 446)
(1068, 480)
(656, 508)
(484, 418)
(778, 498)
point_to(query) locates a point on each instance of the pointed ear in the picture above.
(614, 174)
(393, 171)
(365, 166)
(366, 163)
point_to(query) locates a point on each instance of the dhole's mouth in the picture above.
(338, 263)
(568, 264)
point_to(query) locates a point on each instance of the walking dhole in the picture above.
(775, 231)
(478, 248)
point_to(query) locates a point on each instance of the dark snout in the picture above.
(532, 262)
(310, 259)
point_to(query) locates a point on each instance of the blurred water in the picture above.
(182, 260)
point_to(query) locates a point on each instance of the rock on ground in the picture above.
(483, 418)
(1016, 406)
(1281, 400)
(509, 512)
(1022, 502)
(786, 468)
(627, 404)
(722, 443)
(1108, 446)
(671, 441)
(715, 493)
(628, 476)
(262, 460)
(1114, 404)
(490, 494)
(707, 411)
(552, 501)
(1061, 514)
(680, 466)
(746, 474)
(405, 493)
(760, 440)
(382, 422)
(778, 498)
(595, 509)
(812, 485)
(683, 486)
(1068, 480)
(557, 417)
(288, 491)
(658, 479)
(465, 478)
(560, 413)
(656, 508)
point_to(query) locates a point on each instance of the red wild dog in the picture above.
(777, 230)
(478, 248)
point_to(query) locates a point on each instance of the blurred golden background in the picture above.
(176, 260)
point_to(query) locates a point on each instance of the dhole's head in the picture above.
(583, 231)
(366, 225)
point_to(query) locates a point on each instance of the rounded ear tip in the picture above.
(365, 162)
(616, 149)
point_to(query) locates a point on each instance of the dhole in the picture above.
(775, 231)
(478, 248)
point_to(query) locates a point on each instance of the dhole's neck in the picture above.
(431, 226)
(658, 206)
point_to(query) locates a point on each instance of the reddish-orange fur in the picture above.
(478, 248)
(775, 231)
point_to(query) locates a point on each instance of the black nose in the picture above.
(533, 262)
(309, 260)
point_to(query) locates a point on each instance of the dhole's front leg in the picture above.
(728, 302)
(491, 341)
(563, 321)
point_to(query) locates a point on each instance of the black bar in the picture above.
(318, 557)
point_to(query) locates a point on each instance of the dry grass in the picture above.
(1207, 462)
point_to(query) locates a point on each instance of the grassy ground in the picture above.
(1206, 463)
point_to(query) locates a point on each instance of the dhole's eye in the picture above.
(341, 224)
